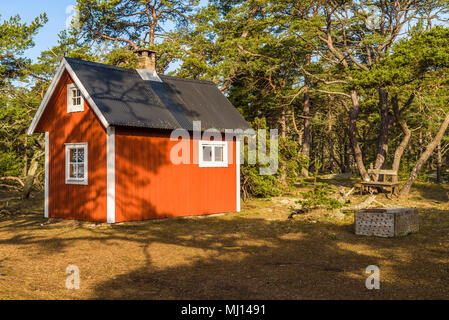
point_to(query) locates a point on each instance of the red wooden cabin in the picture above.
(108, 145)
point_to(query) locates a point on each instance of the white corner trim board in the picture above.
(47, 173)
(65, 66)
(237, 164)
(110, 150)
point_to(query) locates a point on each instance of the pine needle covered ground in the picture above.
(257, 254)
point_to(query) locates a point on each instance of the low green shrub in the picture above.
(320, 196)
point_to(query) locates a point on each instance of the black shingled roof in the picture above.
(125, 99)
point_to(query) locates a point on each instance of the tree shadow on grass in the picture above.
(260, 259)
(235, 257)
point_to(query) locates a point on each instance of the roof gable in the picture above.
(64, 66)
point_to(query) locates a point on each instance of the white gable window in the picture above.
(213, 154)
(75, 100)
(76, 161)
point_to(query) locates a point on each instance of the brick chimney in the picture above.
(146, 65)
(146, 59)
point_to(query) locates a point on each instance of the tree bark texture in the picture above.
(307, 130)
(386, 120)
(353, 115)
(407, 134)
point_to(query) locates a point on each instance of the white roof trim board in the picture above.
(65, 66)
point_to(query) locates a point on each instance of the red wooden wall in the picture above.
(149, 186)
(78, 202)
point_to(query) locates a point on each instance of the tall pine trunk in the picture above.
(358, 157)
(386, 120)
(306, 113)
(332, 159)
(346, 155)
(330, 144)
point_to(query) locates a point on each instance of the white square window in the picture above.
(75, 100)
(213, 154)
(76, 161)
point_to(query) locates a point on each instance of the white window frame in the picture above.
(68, 179)
(70, 107)
(213, 163)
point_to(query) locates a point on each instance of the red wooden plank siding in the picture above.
(149, 186)
(77, 202)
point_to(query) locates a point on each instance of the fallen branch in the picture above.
(345, 196)
(391, 206)
(365, 204)
(381, 204)
(7, 186)
(13, 179)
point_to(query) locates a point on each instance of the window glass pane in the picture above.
(207, 153)
(72, 155)
(72, 171)
(76, 97)
(76, 164)
(219, 154)
(80, 171)
(80, 154)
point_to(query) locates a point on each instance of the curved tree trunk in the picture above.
(29, 181)
(424, 157)
(407, 134)
(353, 115)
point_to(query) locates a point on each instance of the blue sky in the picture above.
(29, 9)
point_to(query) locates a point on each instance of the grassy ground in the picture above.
(257, 254)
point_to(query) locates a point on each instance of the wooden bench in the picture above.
(367, 185)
